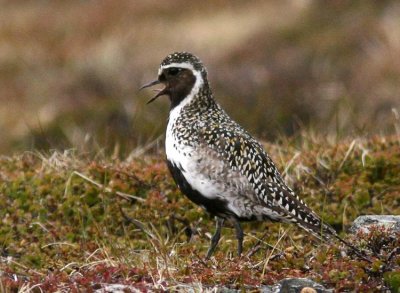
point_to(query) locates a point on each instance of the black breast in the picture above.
(215, 207)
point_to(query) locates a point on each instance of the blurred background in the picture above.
(70, 70)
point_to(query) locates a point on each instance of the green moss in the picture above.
(50, 219)
(392, 279)
(34, 260)
(362, 198)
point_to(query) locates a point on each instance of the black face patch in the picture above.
(178, 82)
(173, 71)
(185, 57)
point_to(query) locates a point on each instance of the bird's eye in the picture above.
(174, 71)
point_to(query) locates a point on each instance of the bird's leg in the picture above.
(239, 235)
(215, 237)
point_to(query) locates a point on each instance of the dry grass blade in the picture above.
(290, 163)
(138, 224)
(100, 186)
(272, 251)
(25, 268)
(397, 122)
(349, 150)
(140, 151)
(59, 244)
(257, 246)
(364, 154)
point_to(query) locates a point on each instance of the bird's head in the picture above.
(182, 75)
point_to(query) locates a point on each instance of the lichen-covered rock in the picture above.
(364, 223)
(296, 285)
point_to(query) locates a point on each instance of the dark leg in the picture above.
(215, 238)
(239, 235)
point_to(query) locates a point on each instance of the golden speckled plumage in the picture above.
(219, 165)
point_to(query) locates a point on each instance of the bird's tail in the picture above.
(325, 232)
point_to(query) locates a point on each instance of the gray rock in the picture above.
(363, 223)
(295, 285)
(116, 288)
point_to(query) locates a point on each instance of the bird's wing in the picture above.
(247, 156)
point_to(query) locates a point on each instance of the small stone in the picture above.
(364, 223)
(116, 288)
(295, 285)
(308, 290)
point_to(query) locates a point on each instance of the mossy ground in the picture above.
(65, 227)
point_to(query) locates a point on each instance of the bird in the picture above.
(220, 166)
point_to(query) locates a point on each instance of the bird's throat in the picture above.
(182, 88)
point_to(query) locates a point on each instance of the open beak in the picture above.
(150, 84)
(160, 92)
